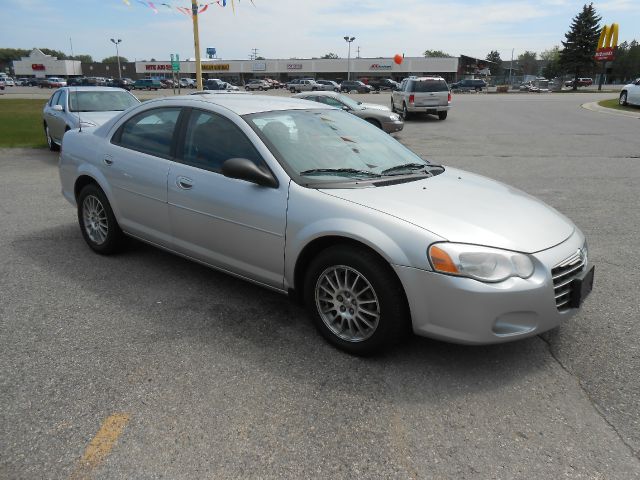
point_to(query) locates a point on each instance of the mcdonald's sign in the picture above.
(607, 43)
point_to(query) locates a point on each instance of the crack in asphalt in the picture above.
(596, 407)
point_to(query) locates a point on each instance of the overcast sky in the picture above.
(302, 28)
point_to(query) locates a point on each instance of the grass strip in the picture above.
(21, 123)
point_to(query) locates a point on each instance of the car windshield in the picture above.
(107, 101)
(331, 145)
(350, 102)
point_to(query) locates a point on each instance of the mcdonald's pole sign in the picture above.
(607, 43)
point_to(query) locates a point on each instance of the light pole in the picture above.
(349, 40)
(116, 42)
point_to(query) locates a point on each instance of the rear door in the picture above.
(233, 224)
(136, 166)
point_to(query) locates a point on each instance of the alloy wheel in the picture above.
(95, 220)
(347, 303)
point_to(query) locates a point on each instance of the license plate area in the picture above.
(581, 287)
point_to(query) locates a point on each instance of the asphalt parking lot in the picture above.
(144, 365)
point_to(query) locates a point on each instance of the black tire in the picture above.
(393, 107)
(292, 90)
(53, 146)
(374, 122)
(313, 89)
(442, 115)
(113, 239)
(385, 292)
(261, 88)
(623, 98)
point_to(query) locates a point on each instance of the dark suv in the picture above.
(383, 84)
(469, 84)
(348, 85)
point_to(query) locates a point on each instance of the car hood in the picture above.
(95, 117)
(375, 106)
(467, 208)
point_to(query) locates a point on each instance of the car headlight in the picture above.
(480, 263)
(394, 117)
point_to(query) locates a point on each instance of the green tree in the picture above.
(626, 65)
(581, 43)
(114, 59)
(496, 66)
(435, 54)
(528, 62)
(330, 55)
(551, 59)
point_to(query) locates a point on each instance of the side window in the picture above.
(211, 140)
(331, 101)
(403, 85)
(149, 132)
(62, 99)
(54, 99)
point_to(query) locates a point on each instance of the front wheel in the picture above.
(623, 98)
(355, 299)
(97, 222)
(442, 115)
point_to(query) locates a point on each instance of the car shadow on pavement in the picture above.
(163, 298)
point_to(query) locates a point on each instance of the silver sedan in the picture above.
(378, 115)
(310, 201)
(75, 107)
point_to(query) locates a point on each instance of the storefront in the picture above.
(40, 65)
(241, 71)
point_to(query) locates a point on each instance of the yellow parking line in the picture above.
(100, 445)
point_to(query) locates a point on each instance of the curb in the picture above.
(594, 107)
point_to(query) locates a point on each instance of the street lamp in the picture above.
(116, 42)
(349, 40)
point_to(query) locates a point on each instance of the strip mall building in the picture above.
(39, 65)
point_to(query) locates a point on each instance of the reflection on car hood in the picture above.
(468, 208)
(375, 106)
(95, 117)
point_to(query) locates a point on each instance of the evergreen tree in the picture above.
(581, 43)
(496, 66)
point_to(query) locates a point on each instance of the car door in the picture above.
(51, 116)
(58, 122)
(232, 224)
(136, 167)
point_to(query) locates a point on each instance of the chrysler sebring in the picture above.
(308, 200)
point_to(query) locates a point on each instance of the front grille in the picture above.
(563, 274)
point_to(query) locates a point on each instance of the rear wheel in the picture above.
(405, 112)
(53, 146)
(623, 98)
(97, 222)
(442, 115)
(355, 300)
(393, 106)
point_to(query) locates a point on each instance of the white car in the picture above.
(630, 94)
(8, 82)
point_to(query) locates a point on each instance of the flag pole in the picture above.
(196, 42)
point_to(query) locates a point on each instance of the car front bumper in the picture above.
(392, 126)
(463, 310)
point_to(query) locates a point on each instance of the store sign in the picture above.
(380, 66)
(607, 43)
(37, 66)
(158, 67)
(215, 66)
(259, 66)
(294, 66)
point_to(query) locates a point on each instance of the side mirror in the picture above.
(58, 108)
(245, 169)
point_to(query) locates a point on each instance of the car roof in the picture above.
(92, 89)
(422, 79)
(247, 104)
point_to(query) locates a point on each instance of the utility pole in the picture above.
(358, 54)
(196, 42)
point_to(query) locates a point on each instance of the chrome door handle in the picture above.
(184, 183)
(108, 161)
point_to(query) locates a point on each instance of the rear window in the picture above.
(429, 86)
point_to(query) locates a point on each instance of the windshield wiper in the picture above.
(405, 166)
(338, 171)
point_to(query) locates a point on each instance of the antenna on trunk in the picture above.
(76, 92)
